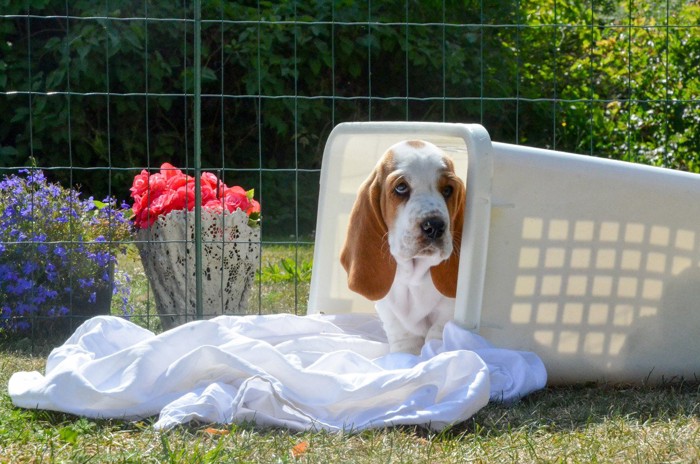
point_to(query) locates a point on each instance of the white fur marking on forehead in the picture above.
(417, 157)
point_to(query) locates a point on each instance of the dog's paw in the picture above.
(435, 332)
(412, 345)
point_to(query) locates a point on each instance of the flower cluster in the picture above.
(55, 248)
(158, 194)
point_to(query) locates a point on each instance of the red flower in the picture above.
(235, 198)
(140, 185)
(213, 184)
(253, 208)
(169, 171)
(158, 194)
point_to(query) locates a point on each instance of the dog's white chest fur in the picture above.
(414, 310)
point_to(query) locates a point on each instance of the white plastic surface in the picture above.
(592, 264)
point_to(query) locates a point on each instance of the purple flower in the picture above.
(60, 251)
(20, 286)
(22, 326)
(86, 283)
(29, 267)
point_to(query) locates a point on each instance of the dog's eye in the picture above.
(447, 191)
(401, 189)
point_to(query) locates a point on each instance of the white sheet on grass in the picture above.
(311, 372)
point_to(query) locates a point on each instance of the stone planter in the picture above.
(231, 255)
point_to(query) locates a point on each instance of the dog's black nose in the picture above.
(433, 227)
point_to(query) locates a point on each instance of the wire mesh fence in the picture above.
(93, 93)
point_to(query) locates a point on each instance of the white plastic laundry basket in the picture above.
(591, 263)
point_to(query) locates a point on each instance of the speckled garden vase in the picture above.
(230, 258)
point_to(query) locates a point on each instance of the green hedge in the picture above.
(612, 83)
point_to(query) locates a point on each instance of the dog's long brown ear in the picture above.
(365, 254)
(445, 274)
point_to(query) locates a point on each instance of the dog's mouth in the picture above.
(431, 248)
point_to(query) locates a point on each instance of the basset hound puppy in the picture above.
(403, 242)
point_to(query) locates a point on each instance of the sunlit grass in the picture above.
(287, 293)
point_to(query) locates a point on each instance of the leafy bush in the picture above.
(57, 250)
(626, 80)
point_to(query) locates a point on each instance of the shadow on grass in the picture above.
(24, 345)
(577, 407)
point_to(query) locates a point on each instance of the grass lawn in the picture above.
(586, 423)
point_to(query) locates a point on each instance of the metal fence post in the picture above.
(198, 155)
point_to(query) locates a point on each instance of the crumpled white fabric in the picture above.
(298, 372)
